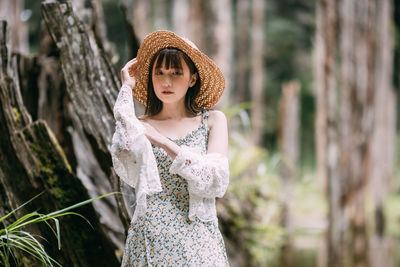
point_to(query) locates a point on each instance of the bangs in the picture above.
(172, 58)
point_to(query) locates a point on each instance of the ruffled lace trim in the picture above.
(207, 177)
(131, 152)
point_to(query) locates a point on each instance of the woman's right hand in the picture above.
(129, 73)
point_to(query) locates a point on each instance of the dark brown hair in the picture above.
(172, 60)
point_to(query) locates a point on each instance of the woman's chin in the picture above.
(170, 99)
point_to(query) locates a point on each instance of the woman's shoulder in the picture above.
(216, 117)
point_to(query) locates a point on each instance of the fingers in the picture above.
(133, 59)
(132, 67)
(131, 63)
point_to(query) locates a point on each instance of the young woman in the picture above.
(179, 175)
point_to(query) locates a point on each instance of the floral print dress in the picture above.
(166, 236)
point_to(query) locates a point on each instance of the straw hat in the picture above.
(211, 77)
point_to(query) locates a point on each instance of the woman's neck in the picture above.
(172, 111)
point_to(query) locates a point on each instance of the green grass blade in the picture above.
(32, 247)
(19, 207)
(82, 203)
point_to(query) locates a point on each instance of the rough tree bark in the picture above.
(44, 93)
(31, 162)
(92, 86)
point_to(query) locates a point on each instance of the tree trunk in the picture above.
(12, 12)
(33, 162)
(223, 43)
(396, 27)
(180, 17)
(358, 50)
(383, 139)
(138, 14)
(92, 88)
(257, 71)
(44, 92)
(288, 147)
(241, 76)
(100, 32)
(327, 123)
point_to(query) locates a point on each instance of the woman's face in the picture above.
(170, 85)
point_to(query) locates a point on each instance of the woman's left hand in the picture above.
(154, 136)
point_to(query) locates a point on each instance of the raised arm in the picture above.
(131, 152)
(127, 126)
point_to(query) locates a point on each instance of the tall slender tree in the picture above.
(257, 70)
(347, 134)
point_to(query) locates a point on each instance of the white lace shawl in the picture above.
(134, 162)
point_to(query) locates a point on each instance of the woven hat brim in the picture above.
(211, 78)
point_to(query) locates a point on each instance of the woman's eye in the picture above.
(159, 73)
(177, 73)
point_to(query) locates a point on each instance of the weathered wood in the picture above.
(43, 88)
(31, 161)
(91, 82)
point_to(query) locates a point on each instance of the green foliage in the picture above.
(13, 237)
(255, 188)
(252, 200)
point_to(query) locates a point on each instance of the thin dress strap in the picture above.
(205, 117)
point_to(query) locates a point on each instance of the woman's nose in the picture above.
(167, 81)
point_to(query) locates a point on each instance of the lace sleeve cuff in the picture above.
(207, 175)
(127, 127)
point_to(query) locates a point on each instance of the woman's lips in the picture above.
(167, 92)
